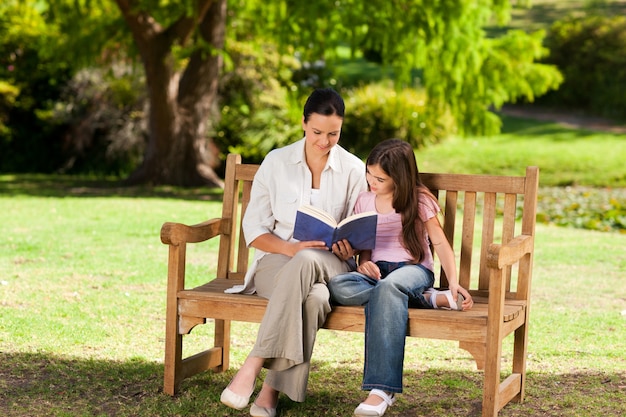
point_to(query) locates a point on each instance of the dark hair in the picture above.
(324, 101)
(397, 159)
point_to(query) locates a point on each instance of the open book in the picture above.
(315, 224)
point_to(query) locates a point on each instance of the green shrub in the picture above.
(591, 53)
(8, 94)
(379, 111)
(32, 77)
(260, 109)
(104, 119)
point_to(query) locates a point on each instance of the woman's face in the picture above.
(322, 132)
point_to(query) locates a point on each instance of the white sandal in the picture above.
(376, 410)
(454, 305)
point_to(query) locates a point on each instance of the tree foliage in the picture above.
(30, 81)
(183, 46)
(462, 71)
(591, 53)
(259, 111)
(42, 45)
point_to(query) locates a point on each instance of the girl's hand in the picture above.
(468, 303)
(370, 269)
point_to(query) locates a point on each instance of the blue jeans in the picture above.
(386, 315)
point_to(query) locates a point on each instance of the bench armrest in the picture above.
(499, 256)
(177, 233)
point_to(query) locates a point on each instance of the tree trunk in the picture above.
(178, 150)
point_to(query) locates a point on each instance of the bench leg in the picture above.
(173, 357)
(222, 339)
(173, 338)
(519, 358)
(176, 368)
(491, 384)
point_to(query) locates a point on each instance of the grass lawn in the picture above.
(82, 306)
(565, 156)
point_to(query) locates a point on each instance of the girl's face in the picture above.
(380, 183)
(322, 133)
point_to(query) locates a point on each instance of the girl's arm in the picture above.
(446, 257)
(364, 256)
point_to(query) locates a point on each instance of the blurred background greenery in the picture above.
(75, 98)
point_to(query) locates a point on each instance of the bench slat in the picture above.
(477, 183)
(467, 239)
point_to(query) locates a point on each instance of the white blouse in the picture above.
(283, 183)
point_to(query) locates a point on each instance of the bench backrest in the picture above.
(478, 210)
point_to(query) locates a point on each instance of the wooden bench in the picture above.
(482, 222)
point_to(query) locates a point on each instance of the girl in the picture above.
(398, 272)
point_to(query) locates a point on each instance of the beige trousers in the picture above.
(299, 302)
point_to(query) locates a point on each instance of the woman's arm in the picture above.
(273, 244)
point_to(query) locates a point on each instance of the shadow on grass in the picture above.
(33, 384)
(44, 185)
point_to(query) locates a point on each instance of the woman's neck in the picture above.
(316, 166)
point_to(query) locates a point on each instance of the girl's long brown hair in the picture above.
(397, 158)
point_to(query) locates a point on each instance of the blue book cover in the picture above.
(315, 224)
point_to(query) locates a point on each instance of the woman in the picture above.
(398, 272)
(293, 274)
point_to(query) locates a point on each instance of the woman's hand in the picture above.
(295, 247)
(343, 250)
(273, 244)
(468, 303)
(370, 269)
